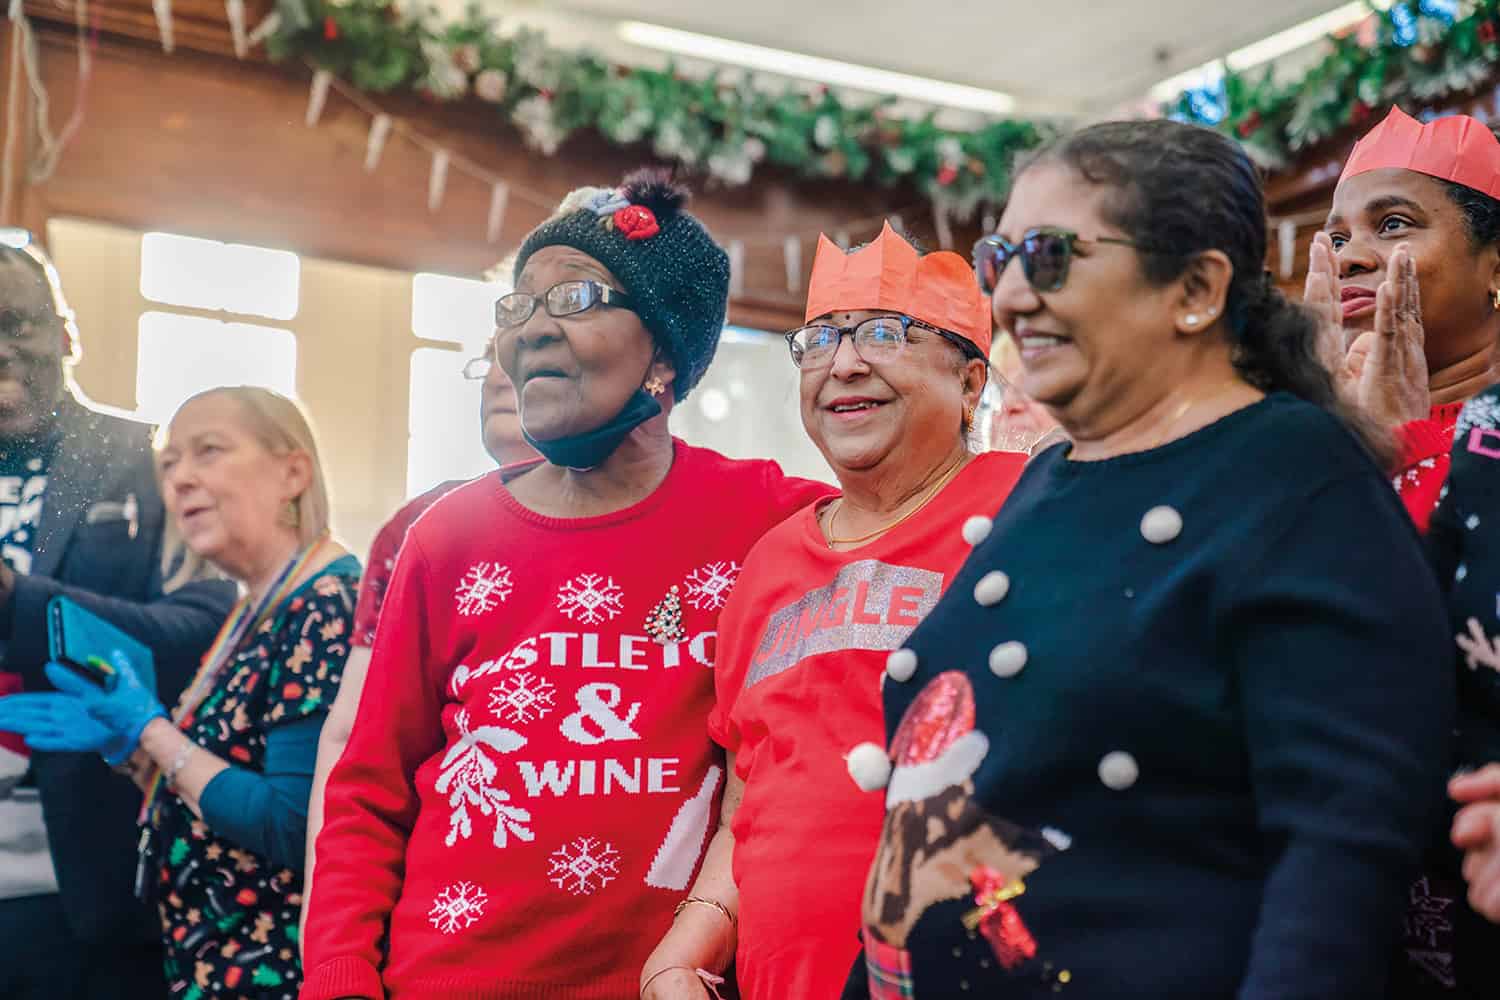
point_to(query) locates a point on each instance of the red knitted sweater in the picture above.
(529, 785)
(1422, 467)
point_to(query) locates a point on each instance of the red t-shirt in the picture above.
(804, 640)
(529, 786)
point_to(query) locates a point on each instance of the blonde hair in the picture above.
(282, 428)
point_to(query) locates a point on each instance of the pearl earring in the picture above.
(1191, 319)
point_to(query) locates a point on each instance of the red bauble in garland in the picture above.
(637, 222)
(1248, 125)
(947, 174)
(1488, 33)
(330, 29)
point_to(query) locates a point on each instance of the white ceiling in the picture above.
(1053, 56)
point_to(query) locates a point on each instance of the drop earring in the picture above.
(655, 386)
(1495, 298)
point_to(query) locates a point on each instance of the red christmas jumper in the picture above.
(1422, 467)
(529, 785)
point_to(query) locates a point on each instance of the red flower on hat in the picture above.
(637, 222)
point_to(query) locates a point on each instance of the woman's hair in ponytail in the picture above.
(1180, 190)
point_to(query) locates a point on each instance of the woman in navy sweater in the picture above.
(1178, 725)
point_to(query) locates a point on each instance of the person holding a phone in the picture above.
(80, 517)
(228, 772)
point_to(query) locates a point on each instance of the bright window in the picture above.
(179, 356)
(445, 441)
(206, 274)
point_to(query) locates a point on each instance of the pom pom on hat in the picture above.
(869, 767)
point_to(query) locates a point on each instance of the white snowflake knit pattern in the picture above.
(1481, 411)
(584, 867)
(484, 588)
(468, 776)
(457, 907)
(590, 598)
(708, 586)
(522, 698)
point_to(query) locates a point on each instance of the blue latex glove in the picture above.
(124, 708)
(53, 721)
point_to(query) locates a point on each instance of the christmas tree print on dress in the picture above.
(708, 586)
(467, 778)
(590, 598)
(584, 867)
(523, 698)
(484, 588)
(457, 907)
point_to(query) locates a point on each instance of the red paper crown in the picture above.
(938, 288)
(1457, 148)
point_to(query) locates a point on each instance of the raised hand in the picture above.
(1392, 383)
(1321, 296)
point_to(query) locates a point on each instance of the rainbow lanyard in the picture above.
(240, 623)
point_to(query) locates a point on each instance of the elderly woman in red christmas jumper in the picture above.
(528, 786)
(891, 365)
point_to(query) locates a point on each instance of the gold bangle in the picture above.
(707, 902)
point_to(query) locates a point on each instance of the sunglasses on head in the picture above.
(1045, 256)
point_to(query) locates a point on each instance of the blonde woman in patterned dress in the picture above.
(229, 771)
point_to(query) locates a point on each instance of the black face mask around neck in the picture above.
(589, 449)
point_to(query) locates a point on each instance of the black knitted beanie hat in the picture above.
(667, 262)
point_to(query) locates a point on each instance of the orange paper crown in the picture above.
(938, 289)
(1457, 148)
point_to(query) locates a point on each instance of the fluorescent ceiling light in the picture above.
(1267, 49)
(829, 71)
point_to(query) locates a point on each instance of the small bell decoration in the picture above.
(664, 623)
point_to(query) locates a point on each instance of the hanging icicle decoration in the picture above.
(499, 196)
(317, 96)
(235, 11)
(437, 181)
(1286, 246)
(791, 249)
(163, 11)
(736, 268)
(380, 131)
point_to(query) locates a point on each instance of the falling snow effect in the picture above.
(457, 907)
(708, 586)
(584, 867)
(590, 598)
(522, 698)
(483, 588)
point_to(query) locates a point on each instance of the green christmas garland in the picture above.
(727, 127)
(1423, 50)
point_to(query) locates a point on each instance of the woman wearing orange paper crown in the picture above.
(891, 362)
(1406, 280)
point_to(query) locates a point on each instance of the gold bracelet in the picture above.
(707, 902)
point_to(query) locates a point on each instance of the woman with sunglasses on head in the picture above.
(528, 785)
(891, 364)
(1173, 731)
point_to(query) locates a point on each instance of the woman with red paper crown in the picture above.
(1405, 278)
(891, 364)
(528, 784)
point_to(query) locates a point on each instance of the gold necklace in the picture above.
(1161, 438)
(828, 527)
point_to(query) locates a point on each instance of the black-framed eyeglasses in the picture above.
(566, 298)
(1045, 253)
(876, 340)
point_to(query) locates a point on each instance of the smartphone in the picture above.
(83, 642)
